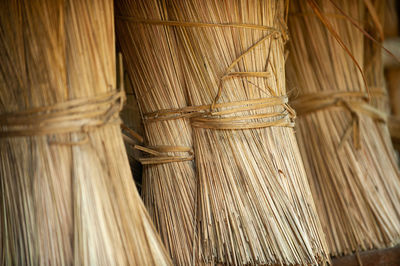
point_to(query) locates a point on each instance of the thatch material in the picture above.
(254, 201)
(65, 198)
(354, 179)
(168, 187)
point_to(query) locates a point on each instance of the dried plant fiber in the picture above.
(352, 174)
(254, 203)
(66, 192)
(169, 182)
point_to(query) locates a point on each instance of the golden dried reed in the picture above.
(254, 202)
(357, 191)
(65, 198)
(169, 188)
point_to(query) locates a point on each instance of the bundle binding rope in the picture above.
(356, 103)
(73, 116)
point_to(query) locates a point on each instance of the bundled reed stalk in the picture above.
(169, 180)
(350, 165)
(66, 191)
(254, 202)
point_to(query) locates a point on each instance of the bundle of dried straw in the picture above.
(66, 192)
(254, 201)
(168, 174)
(351, 169)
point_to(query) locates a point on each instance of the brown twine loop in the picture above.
(202, 117)
(79, 115)
(162, 154)
(353, 102)
(219, 120)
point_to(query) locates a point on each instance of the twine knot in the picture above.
(165, 154)
(78, 115)
(356, 103)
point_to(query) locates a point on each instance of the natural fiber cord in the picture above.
(79, 115)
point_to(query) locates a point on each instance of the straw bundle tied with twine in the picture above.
(168, 185)
(348, 159)
(66, 191)
(254, 203)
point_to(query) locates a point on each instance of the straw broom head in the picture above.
(351, 170)
(151, 60)
(254, 201)
(66, 198)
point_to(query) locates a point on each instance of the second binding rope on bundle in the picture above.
(356, 103)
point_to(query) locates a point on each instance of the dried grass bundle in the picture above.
(351, 169)
(66, 191)
(254, 201)
(168, 185)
